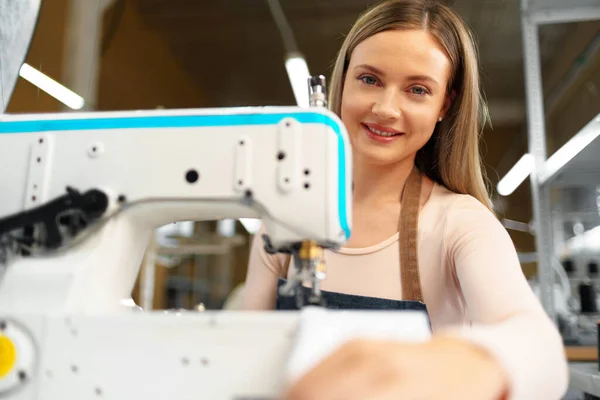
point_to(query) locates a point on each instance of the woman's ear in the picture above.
(448, 100)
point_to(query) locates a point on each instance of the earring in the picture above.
(440, 119)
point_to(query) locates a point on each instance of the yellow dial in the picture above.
(8, 355)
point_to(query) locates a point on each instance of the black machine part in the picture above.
(47, 226)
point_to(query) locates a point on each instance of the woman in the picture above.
(406, 86)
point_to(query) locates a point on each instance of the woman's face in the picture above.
(394, 93)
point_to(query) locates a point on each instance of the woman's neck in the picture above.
(378, 184)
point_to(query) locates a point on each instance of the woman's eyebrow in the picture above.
(371, 68)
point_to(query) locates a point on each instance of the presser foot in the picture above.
(310, 267)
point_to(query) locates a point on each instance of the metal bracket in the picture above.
(536, 132)
(242, 179)
(38, 177)
(288, 154)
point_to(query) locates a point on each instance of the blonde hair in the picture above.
(451, 157)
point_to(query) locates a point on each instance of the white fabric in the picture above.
(322, 331)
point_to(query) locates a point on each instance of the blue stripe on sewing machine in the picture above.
(180, 121)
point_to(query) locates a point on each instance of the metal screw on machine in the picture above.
(317, 91)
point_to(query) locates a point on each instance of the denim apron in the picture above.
(342, 301)
(411, 285)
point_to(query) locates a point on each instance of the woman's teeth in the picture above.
(380, 133)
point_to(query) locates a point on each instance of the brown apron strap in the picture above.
(408, 229)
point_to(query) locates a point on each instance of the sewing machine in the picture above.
(82, 193)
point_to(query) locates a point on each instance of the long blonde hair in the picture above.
(451, 157)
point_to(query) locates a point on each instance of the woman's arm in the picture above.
(261, 280)
(507, 319)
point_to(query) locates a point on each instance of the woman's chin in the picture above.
(378, 157)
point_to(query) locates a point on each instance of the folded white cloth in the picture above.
(321, 331)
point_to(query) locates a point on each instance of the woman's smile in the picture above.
(381, 133)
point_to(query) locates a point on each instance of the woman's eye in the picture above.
(369, 80)
(419, 90)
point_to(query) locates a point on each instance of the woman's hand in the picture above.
(441, 369)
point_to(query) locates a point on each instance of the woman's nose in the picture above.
(387, 106)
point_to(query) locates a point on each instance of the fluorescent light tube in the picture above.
(50, 86)
(298, 74)
(573, 147)
(517, 174)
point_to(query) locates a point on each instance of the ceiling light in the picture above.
(569, 150)
(517, 174)
(50, 86)
(298, 73)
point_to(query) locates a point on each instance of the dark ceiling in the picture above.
(234, 50)
(233, 47)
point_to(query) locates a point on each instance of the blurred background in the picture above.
(149, 54)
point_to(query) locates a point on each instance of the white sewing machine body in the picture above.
(153, 355)
(61, 308)
(231, 154)
(212, 355)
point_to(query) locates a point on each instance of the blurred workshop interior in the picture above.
(149, 54)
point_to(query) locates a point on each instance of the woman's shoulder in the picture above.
(448, 200)
(469, 227)
(459, 210)
(462, 215)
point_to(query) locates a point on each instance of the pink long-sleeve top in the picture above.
(472, 284)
